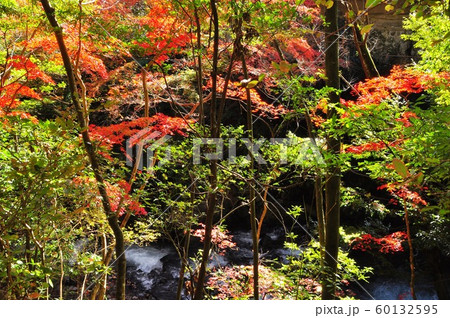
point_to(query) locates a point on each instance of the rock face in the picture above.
(385, 41)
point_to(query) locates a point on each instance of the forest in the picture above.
(224, 149)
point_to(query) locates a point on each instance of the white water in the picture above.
(145, 260)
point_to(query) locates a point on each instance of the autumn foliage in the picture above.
(119, 194)
(109, 136)
(389, 244)
(19, 72)
(401, 81)
(220, 238)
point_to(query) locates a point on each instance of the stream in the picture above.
(390, 288)
(153, 271)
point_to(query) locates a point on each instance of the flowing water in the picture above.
(153, 271)
(390, 288)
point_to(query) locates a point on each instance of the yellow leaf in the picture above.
(329, 4)
(389, 7)
(366, 29)
(252, 84)
(285, 66)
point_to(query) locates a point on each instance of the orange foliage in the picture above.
(32, 71)
(89, 62)
(166, 33)
(371, 146)
(117, 134)
(10, 92)
(220, 238)
(301, 50)
(401, 81)
(259, 105)
(115, 194)
(402, 191)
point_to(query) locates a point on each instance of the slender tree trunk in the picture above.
(111, 216)
(368, 65)
(251, 186)
(411, 255)
(333, 178)
(145, 88)
(320, 216)
(199, 67)
(365, 57)
(184, 263)
(215, 129)
(318, 191)
(185, 252)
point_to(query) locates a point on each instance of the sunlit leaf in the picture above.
(372, 3)
(252, 84)
(285, 66)
(400, 167)
(366, 29)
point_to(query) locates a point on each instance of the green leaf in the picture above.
(366, 29)
(252, 84)
(418, 179)
(372, 3)
(429, 208)
(351, 14)
(400, 168)
(261, 77)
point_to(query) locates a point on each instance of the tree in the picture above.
(110, 214)
(333, 177)
(215, 131)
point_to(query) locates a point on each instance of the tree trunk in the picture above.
(411, 255)
(201, 110)
(184, 262)
(333, 178)
(368, 65)
(111, 216)
(215, 129)
(320, 215)
(365, 57)
(251, 186)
